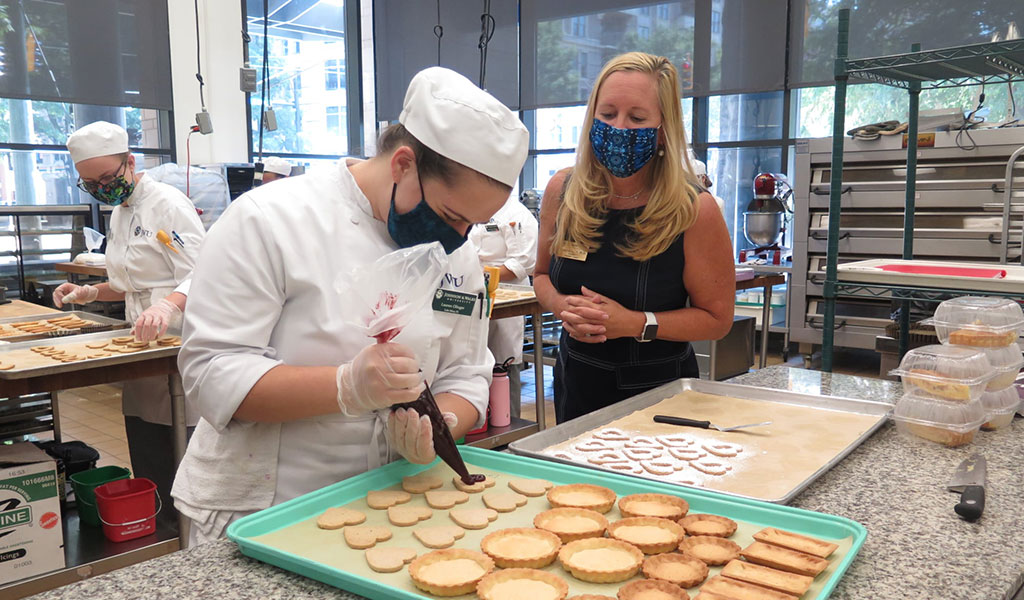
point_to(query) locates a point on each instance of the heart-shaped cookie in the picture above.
(593, 446)
(609, 456)
(473, 518)
(611, 434)
(642, 441)
(417, 484)
(531, 487)
(441, 536)
(365, 536)
(382, 499)
(660, 466)
(476, 488)
(687, 453)
(724, 449)
(561, 455)
(389, 560)
(504, 501)
(445, 498)
(643, 453)
(405, 516)
(625, 467)
(711, 467)
(675, 440)
(338, 517)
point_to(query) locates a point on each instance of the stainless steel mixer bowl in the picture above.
(763, 228)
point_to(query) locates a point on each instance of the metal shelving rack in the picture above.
(991, 63)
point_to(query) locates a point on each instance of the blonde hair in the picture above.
(672, 205)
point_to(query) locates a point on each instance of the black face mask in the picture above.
(422, 225)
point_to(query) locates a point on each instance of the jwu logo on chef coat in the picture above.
(141, 231)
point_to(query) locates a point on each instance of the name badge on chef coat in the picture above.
(573, 252)
(492, 227)
(452, 302)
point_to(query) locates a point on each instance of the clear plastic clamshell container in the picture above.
(1007, 363)
(1000, 407)
(948, 423)
(950, 372)
(978, 321)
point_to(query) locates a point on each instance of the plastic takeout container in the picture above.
(1007, 363)
(949, 372)
(978, 321)
(1000, 407)
(948, 423)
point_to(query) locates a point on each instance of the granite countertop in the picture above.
(917, 547)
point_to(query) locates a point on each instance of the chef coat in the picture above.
(508, 240)
(147, 271)
(266, 292)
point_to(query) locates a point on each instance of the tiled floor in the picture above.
(93, 415)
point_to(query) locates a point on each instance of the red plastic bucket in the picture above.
(128, 508)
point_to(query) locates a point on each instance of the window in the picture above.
(732, 172)
(663, 12)
(743, 117)
(308, 85)
(644, 32)
(581, 60)
(333, 119)
(716, 21)
(334, 74)
(579, 26)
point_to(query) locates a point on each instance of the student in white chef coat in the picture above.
(275, 168)
(508, 241)
(151, 278)
(292, 396)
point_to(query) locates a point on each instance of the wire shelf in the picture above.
(993, 62)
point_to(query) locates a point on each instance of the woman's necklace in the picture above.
(631, 197)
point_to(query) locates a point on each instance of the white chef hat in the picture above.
(699, 168)
(453, 117)
(97, 139)
(275, 164)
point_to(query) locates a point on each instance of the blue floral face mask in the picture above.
(622, 151)
(422, 225)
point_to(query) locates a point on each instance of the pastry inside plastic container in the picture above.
(1006, 362)
(948, 423)
(1000, 407)
(978, 321)
(950, 372)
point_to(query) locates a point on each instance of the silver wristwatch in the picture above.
(650, 331)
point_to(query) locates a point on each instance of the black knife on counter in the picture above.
(969, 482)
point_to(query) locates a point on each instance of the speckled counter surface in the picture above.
(917, 548)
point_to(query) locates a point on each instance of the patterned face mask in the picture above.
(113, 192)
(421, 225)
(622, 151)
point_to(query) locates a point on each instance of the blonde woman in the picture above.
(634, 257)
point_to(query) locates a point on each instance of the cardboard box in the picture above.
(31, 539)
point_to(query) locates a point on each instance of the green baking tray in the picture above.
(305, 507)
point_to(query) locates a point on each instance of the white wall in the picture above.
(220, 26)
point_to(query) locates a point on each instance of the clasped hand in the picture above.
(593, 318)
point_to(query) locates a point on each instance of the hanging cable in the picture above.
(199, 62)
(486, 33)
(188, 157)
(264, 92)
(439, 32)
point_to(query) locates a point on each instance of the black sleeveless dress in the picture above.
(592, 376)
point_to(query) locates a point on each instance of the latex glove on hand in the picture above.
(411, 435)
(154, 321)
(379, 376)
(70, 293)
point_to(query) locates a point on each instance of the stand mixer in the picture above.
(764, 221)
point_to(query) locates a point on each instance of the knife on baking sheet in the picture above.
(969, 482)
(703, 424)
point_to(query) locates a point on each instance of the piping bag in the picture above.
(387, 294)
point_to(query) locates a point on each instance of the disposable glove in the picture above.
(69, 293)
(379, 376)
(153, 321)
(411, 435)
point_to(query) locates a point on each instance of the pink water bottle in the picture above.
(500, 401)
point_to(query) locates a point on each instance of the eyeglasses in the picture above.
(90, 187)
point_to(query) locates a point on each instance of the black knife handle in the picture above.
(681, 421)
(972, 503)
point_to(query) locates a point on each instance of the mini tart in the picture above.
(571, 524)
(600, 560)
(450, 572)
(681, 569)
(517, 584)
(711, 549)
(522, 547)
(591, 597)
(708, 525)
(662, 506)
(651, 535)
(652, 589)
(582, 495)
